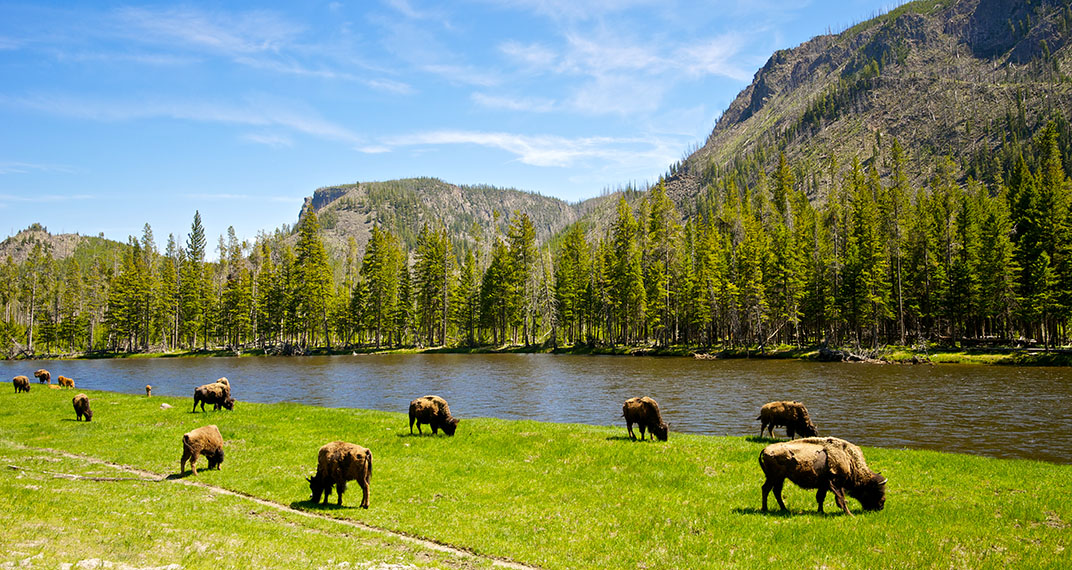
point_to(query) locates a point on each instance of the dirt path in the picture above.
(150, 476)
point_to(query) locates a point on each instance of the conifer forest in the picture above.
(843, 253)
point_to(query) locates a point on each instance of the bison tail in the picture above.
(368, 460)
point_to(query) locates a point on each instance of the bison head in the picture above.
(872, 494)
(450, 426)
(661, 431)
(88, 415)
(319, 486)
(228, 403)
(215, 459)
(808, 430)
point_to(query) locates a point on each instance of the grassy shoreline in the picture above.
(556, 495)
(938, 354)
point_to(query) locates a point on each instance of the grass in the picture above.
(548, 495)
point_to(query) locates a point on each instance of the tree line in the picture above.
(874, 261)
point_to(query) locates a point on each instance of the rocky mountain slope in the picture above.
(954, 77)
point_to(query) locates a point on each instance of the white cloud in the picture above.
(28, 167)
(241, 33)
(574, 10)
(269, 139)
(542, 150)
(254, 111)
(45, 198)
(527, 104)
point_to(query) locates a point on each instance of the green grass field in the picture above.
(546, 495)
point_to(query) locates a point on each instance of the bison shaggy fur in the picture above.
(645, 412)
(81, 407)
(22, 384)
(216, 394)
(148, 391)
(65, 382)
(826, 464)
(43, 376)
(203, 440)
(435, 412)
(337, 463)
(793, 415)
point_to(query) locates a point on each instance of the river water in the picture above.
(1014, 412)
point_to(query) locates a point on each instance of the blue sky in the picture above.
(115, 115)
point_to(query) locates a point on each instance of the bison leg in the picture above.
(641, 432)
(185, 457)
(193, 460)
(195, 406)
(411, 418)
(364, 482)
(340, 487)
(820, 497)
(789, 431)
(839, 497)
(767, 486)
(629, 428)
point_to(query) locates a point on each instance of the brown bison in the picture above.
(22, 384)
(337, 463)
(65, 382)
(793, 415)
(826, 464)
(148, 391)
(81, 407)
(206, 440)
(43, 376)
(645, 412)
(434, 411)
(216, 394)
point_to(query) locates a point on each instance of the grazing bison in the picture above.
(215, 394)
(793, 415)
(337, 463)
(43, 376)
(65, 382)
(22, 384)
(645, 412)
(826, 464)
(81, 407)
(203, 440)
(434, 411)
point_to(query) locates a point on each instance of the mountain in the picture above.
(467, 212)
(967, 78)
(60, 246)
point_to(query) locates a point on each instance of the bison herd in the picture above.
(827, 464)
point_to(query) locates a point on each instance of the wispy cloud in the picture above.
(538, 150)
(577, 11)
(28, 167)
(225, 197)
(254, 111)
(269, 139)
(222, 32)
(36, 198)
(527, 104)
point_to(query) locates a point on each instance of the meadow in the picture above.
(540, 494)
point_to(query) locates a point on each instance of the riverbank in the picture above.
(936, 354)
(547, 495)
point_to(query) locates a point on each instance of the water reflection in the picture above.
(996, 411)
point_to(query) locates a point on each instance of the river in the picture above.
(999, 411)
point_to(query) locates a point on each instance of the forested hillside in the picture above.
(905, 202)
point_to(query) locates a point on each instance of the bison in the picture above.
(434, 411)
(22, 384)
(826, 464)
(337, 463)
(203, 440)
(81, 407)
(793, 415)
(215, 394)
(645, 412)
(65, 382)
(148, 391)
(43, 376)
